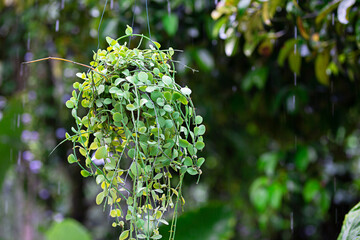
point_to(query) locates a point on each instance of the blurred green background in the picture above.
(277, 84)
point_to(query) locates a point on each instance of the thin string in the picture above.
(98, 44)
(147, 17)
(133, 20)
(102, 16)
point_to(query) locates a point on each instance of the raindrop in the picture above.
(216, 2)
(62, 4)
(336, 215)
(18, 121)
(21, 70)
(57, 26)
(19, 158)
(168, 7)
(58, 189)
(28, 42)
(294, 102)
(111, 4)
(333, 19)
(295, 36)
(6, 208)
(295, 78)
(234, 88)
(292, 222)
(11, 154)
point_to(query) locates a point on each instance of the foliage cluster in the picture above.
(135, 108)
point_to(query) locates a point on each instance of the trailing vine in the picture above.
(144, 128)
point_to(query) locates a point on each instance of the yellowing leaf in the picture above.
(124, 235)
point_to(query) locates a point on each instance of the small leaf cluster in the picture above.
(144, 127)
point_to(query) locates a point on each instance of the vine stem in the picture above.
(65, 60)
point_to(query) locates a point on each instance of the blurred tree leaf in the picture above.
(204, 59)
(259, 193)
(256, 77)
(327, 9)
(351, 227)
(213, 221)
(10, 134)
(285, 51)
(231, 45)
(295, 62)
(321, 64)
(68, 229)
(170, 23)
(268, 161)
(302, 158)
(343, 10)
(312, 187)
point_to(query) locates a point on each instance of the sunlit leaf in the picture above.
(343, 9)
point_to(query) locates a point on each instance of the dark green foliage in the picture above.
(213, 221)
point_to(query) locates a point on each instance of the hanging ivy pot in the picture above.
(144, 128)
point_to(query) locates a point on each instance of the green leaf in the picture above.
(71, 159)
(69, 104)
(213, 221)
(100, 89)
(167, 80)
(128, 30)
(170, 23)
(200, 162)
(68, 229)
(85, 173)
(183, 143)
(351, 228)
(168, 108)
(192, 171)
(101, 153)
(131, 153)
(201, 130)
(142, 76)
(185, 91)
(198, 119)
(124, 235)
(117, 117)
(130, 107)
(188, 161)
(199, 145)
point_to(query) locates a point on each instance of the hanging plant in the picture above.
(143, 126)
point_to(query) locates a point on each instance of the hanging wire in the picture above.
(98, 43)
(147, 17)
(133, 20)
